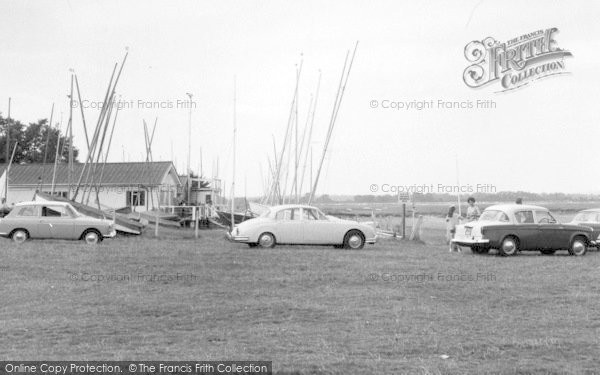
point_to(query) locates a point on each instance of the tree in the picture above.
(31, 140)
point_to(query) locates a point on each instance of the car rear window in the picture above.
(27, 211)
(309, 214)
(288, 214)
(493, 215)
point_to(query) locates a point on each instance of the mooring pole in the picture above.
(403, 220)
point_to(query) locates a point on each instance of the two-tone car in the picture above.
(301, 225)
(512, 228)
(53, 220)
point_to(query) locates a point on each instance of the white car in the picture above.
(301, 225)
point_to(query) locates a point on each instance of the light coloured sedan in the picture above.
(53, 220)
(301, 225)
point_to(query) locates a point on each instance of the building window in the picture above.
(136, 198)
(62, 194)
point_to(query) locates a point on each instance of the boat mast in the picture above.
(189, 170)
(310, 131)
(336, 107)
(48, 132)
(458, 184)
(8, 133)
(234, 136)
(7, 149)
(279, 164)
(56, 156)
(296, 138)
(70, 177)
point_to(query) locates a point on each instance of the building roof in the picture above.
(42, 203)
(136, 173)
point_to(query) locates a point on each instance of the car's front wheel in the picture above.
(509, 246)
(92, 237)
(19, 236)
(578, 246)
(354, 240)
(266, 240)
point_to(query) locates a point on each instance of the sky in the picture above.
(539, 138)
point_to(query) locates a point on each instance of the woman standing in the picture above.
(452, 220)
(473, 211)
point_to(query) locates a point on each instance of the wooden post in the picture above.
(156, 225)
(415, 234)
(196, 224)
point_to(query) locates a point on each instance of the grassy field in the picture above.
(393, 308)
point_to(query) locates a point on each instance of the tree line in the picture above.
(36, 142)
(501, 196)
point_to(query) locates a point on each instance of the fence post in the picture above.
(196, 224)
(156, 225)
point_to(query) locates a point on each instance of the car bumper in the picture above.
(371, 240)
(112, 234)
(470, 242)
(233, 238)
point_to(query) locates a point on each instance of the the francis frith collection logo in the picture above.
(514, 63)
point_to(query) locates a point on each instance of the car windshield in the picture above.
(265, 213)
(586, 217)
(493, 215)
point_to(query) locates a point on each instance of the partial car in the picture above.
(301, 225)
(589, 218)
(512, 228)
(53, 220)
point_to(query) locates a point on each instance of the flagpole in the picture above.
(458, 185)
(7, 149)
